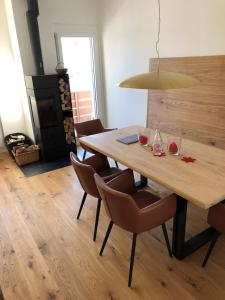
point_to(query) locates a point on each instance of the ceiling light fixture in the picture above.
(159, 79)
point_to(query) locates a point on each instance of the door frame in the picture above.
(71, 30)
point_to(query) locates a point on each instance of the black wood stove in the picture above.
(49, 100)
(51, 113)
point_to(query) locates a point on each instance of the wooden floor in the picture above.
(47, 254)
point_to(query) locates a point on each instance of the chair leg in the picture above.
(116, 163)
(96, 219)
(106, 237)
(211, 246)
(167, 239)
(132, 258)
(84, 154)
(81, 206)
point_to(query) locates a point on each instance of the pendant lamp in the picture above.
(159, 79)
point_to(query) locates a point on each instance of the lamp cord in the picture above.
(158, 37)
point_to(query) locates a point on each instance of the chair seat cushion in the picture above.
(144, 198)
(109, 174)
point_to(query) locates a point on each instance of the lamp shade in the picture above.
(160, 80)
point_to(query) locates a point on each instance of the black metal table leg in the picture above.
(182, 248)
(179, 227)
(142, 183)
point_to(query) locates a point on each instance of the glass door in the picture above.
(78, 57)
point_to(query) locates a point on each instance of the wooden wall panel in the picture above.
(199, 112)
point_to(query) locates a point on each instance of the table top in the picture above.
(201, 182)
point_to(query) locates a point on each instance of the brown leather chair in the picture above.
(88, 128)
(85, 171)
(216, 219)
(133, 210)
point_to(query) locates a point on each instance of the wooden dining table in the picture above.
(201, 182)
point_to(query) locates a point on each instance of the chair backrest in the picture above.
(216, 217)
(89, 127)
(120, 207)
(85, 174)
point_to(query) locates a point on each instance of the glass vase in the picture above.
(157, 145)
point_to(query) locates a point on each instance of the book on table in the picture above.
(130, 139)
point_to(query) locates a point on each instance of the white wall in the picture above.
(129, 32)
(52, 13)
(78, 15)
(77, 12)
(1, 138)
(11, 112)
(14, 9)
(19, 10)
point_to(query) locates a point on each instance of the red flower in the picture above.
(188, 159)
(162, 154)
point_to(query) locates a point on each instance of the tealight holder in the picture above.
(144, 136)
(174, 144)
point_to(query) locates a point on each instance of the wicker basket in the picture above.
(10, 146)
(26, 157)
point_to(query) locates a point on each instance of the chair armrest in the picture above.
(110, 177)
(162, 203)
(157, 213)
(124, 182)
(99, 162)
(109, 129)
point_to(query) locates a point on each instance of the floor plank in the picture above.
(47, 254)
